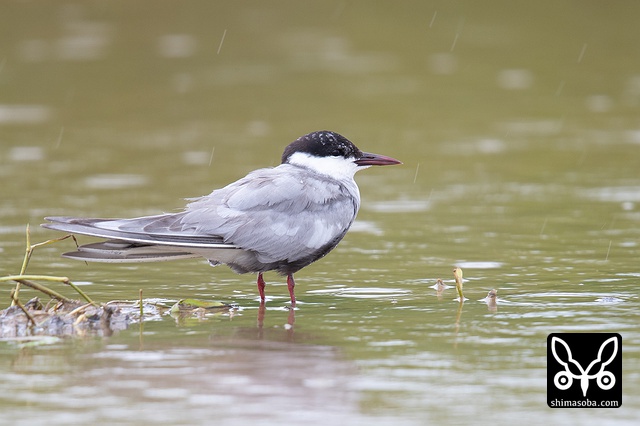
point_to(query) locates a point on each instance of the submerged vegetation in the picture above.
(63, 316)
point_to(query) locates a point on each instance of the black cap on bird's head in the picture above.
(325, 143)
(322, 144)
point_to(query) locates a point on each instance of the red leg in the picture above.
(261, 285)
(291, 284)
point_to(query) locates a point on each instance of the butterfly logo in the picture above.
(595, 370)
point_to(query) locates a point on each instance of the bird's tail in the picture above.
(118, 251)
(147, 239)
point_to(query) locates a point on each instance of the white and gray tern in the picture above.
(274, 219)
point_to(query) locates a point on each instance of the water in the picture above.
(518, 129)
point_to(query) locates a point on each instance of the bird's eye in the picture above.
(338, 152)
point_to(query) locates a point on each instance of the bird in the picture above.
(280, 218)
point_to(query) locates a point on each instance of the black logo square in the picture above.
(584, 370)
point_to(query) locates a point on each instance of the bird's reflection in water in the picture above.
(291, 318)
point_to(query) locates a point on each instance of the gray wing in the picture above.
(278, 214)
(157, 230)
(144, 239)
(281, 213)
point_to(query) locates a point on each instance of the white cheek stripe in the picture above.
(336, 167)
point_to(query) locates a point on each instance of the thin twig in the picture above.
(21, 306)
(36, 286)
(457, 274)
(80, 308)
(64, 280)
(81, 293)
(31, 248)
(27, 256)
(141, 307)
(24, 279)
